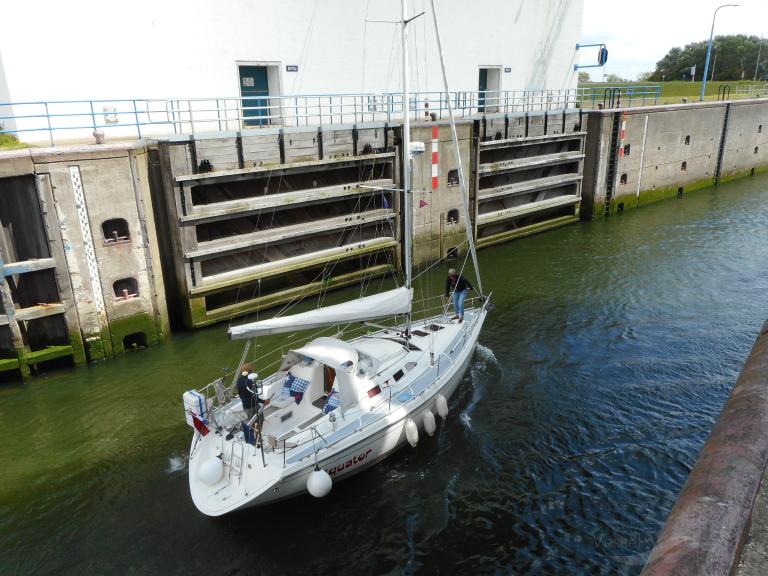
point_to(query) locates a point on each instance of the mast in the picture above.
(457, 156)
(408, 203)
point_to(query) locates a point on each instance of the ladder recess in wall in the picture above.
(613, 161)
(721, 149)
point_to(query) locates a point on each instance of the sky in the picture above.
(639, 34)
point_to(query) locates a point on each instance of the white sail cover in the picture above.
(388, 303)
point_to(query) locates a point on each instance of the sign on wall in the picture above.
(292, 68)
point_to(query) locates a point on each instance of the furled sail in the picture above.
(388, 303)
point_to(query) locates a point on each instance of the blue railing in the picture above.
(61, 120)
(137, 118)
(600, 96)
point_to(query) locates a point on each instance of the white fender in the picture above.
(411, 432)
(319, 483)
(429, 422)
(442, 406)
(211, 470)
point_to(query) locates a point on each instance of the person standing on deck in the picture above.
(246, 392)
(460, 286)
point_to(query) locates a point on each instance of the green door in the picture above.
(254, 86)
(481, 89)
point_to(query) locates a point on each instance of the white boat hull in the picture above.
(363, 449)
(366, 453)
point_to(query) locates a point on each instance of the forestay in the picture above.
(381, 305)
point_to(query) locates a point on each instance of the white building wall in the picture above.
(5, 111)
(88, 49)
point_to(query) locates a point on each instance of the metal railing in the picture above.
(64, 120)
(752, 89)
(602, 96)
(138, 117)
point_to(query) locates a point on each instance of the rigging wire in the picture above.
(394, 56)
(299, 78)
(325, 270)
(457, 155)
(358, 227)
(264, 254)
(365, 44)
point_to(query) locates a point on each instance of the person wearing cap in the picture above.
(246, 392)
(460, 287)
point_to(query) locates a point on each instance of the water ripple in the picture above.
(612, 349)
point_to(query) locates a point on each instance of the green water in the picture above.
(612, 349)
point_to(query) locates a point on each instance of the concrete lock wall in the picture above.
(257, 218)
(746, 144)
(96, 207)
(439, 224)
(642, 155)
(115, 287)
(261, 217)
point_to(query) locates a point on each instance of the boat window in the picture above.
(375, 391)
(435, 327)
(398, 375)
(347, 364)
(410, 366)
(420, 333)
(329, 377)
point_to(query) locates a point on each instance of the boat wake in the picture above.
(176, 463)
(483, 365)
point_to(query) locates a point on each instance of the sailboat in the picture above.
(335, 406)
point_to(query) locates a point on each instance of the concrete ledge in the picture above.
(225, 280)
(528, 162)
(527, 186)
(522, 210)
(243, 242)
(71, 153)
(522, 141)
(48, 353)
(526, 230)
(16, 163)
(707, 527)
(673, 107)
(13, 268)
(277, 201)
(7, 364)
(277, 169)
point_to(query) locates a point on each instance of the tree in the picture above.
(644, 76)
(733, 57)
(584, 77)
(615, 79)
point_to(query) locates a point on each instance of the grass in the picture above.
(10, 142)
(674, 92)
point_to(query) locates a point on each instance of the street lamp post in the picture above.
(709, 49)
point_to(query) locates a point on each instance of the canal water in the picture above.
(612, 349)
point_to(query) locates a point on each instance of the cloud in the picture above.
(639, 34)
